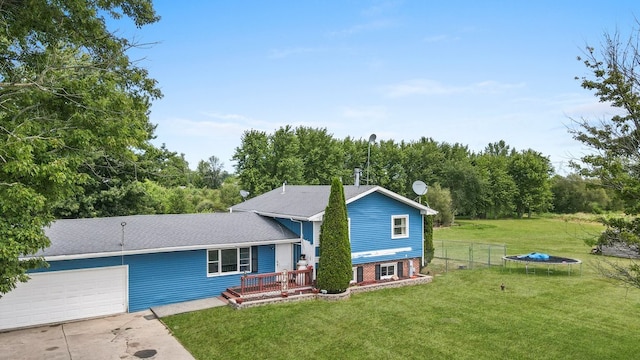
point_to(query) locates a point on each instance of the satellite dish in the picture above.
(419, 187)
(244, 194)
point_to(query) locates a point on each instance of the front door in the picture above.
(284, 257)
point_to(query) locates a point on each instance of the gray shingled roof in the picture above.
(308, 201)
(149, 233)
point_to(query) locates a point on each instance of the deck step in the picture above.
(229, 295)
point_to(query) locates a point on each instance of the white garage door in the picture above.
(59, 296)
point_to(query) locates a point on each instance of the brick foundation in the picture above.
(369, 269)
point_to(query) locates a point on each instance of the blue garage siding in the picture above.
(166, 278)
(371, 228)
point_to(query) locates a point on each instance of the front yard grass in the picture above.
(461, 315)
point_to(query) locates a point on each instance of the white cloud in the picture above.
(188, 127)
(220, 116)
(432, 87)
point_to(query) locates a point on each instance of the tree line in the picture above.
(498, 181)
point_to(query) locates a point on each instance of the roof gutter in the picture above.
(161, 250)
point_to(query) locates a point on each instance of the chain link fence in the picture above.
(468, 255)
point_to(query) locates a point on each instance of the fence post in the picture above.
(471, 256)
(489, 255)
(446, 260)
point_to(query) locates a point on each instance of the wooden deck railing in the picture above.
(275, 282)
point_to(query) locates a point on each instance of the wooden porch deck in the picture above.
(272, 283)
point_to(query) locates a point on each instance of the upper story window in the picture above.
(228, 261)
(399, 226)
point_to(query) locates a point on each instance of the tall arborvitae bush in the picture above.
(334, 269)
(429, 249)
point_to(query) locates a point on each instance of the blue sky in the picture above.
(469, 72)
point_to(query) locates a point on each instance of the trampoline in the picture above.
(536, 258)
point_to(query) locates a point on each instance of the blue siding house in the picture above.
(102, 266)
(385, 229)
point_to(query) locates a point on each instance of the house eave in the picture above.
(424, 210)
(283, 216)
(165, 250)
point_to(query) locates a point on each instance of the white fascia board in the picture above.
(169, 249)
(319, 216)
(425, 210)
(282, 216)
(405, 200)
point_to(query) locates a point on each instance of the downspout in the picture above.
(299, 222)
(422, 264)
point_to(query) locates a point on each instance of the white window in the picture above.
(399, 226)
(354, 278)
(387, 271)
(228, 261)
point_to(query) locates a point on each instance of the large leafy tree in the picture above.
(321, 154)
(499, 186)
(284, 161)
(210, 174)
(68, 93)
(387, 166)
(252, 162)
(573, 193)
(334, 270)
(531, 173)
(615, 141)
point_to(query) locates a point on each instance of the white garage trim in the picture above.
(59, 296)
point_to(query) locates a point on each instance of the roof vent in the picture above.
(356, 173)
(284, 186)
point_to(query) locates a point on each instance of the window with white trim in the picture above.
(228, 261)
(399, 226)
(354, 278)
(387, 271)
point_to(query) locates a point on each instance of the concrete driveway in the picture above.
(137, 335)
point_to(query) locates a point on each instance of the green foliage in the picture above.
(334, 270)
(615, 159)
(440, 200)
(70, 95)
(531, 174)
(320, 153)
(499, 187)
(574, 193)
(209, 174)
(429, 249)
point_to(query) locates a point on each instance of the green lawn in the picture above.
(461, 315)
